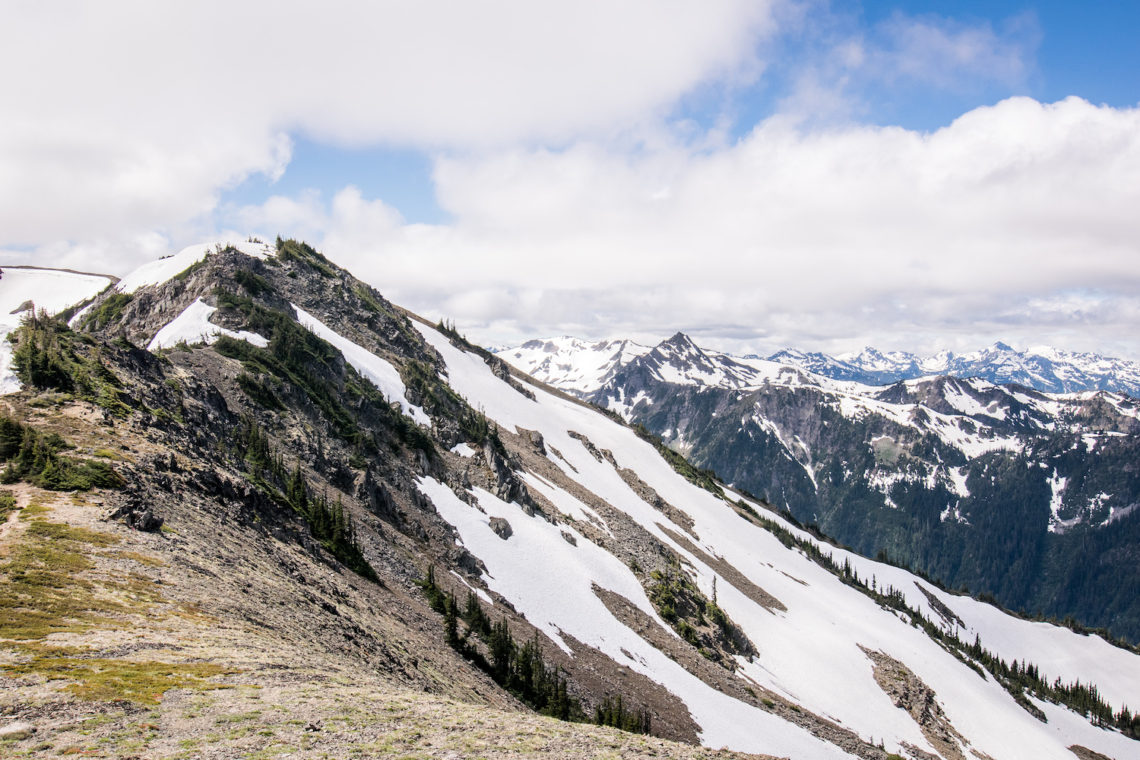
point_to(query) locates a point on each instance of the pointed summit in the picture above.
(679, 339)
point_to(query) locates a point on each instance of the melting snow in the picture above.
(463, 450)
(809, 652)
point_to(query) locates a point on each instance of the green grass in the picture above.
(7, 505)
(107, 680)
(46, 588)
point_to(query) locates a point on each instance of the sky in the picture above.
(757, 173)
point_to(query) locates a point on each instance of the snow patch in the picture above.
(193, 326)
(162, 270)
(49, 289)
(463, 450)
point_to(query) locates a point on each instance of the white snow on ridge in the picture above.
(809, 652)
(50, 289)
(382, 374)
(194, 326)
(161, 270)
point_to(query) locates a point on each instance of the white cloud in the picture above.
(575, 207)
(946, 53)
(124, 117)
(788, 236)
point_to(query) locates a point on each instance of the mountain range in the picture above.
(581, 367)
(1026, 497)
(253, 507)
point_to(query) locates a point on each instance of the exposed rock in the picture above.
(501, 527)
(910, 693)
(137, 517)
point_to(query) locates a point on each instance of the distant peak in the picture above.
(679, 340)
(999, 346)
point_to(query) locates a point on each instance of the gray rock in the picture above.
(501, 527)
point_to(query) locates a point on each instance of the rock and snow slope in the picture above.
(813, 652)
(829, 667)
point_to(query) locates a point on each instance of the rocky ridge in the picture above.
(298, 510)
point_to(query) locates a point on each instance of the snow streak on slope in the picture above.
(810, 652)
(382, 374)
(50, 289)
(193, 326)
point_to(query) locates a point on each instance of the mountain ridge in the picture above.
(280, 445)
(1040, 368)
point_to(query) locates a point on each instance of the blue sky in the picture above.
(913, 175)
(1088, 50)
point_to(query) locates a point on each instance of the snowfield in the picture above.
(813, 652)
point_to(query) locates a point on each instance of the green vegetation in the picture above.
(34, 457)
(520, 670)
(296, 356)
(369, 299)
(7, 505)
(440, 401)
(107, 312)
(305, 254)
(259, 391)
(46, 591)
(681, 604)
(108, 680)
(253, 284)
(329, 523)
(49, 356)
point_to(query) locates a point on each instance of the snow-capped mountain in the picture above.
(581, 367)
(937, 471)
(274, 376)
(1041, 368)
(572, 365)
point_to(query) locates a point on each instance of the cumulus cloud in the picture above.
(787, 236)
(126, 117)
(574, 203)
